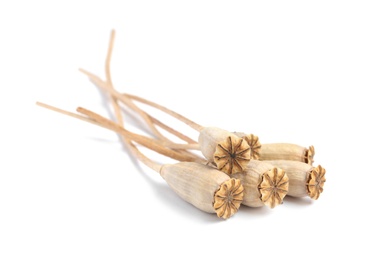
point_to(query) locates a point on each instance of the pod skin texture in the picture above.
(284, 151)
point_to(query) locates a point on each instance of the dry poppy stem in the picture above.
(115, 104)
(109, 82)
(101, 84)
(105, 123)
(61, 111)
(157, 145)
(129, 103)
(119, 117)
(145, 116)
(168, 111)
(117, 109)
(109, 85)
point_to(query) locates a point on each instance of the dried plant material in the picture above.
(230, 153)
(232, 156)
(309, 155)
(316, 180)
(304, 179)
(96, 119)
(204, 187)
(233, 162)
(284, 151)
(198, 184)
(255, 183)
(123, 98)
(254, 144)
(228, 198)
(257, 189)
(274, 187)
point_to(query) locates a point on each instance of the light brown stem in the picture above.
(97, 81)
(170, 112)
(187, 121)
(193, 144)
(128, 142)
(117, 110)
(141, 157)
(64, 112)
(156, 167)
(126, 102)
(156, 145)
(172, 131)
(105, 123)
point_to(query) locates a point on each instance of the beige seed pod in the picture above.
(304, 180)
(204, 187)
(263, 184)
(277, 151)
(284, 151)
(230, 153)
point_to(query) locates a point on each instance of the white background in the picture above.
(307, 72)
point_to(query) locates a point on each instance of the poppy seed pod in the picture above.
(204, 187)
(304, 180)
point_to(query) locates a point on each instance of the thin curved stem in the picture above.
(64, 112)
(172, 131)
(128, 142)
(101, 84)
(193, 145)
(155, 145)
(108, 86)
(105, 123)
(126, 102)
(117, 110)
(141, 157)
(168, 111)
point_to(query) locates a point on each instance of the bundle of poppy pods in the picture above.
(236, 168)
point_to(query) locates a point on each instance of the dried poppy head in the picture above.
(315, 182)
(309, 154)
(274, 187)
(228, 198)
(263, 184)
(230, 153)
